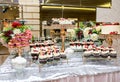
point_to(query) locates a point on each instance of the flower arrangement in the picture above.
(92, 33)
(17, 35)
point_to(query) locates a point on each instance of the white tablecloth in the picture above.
(72, 71)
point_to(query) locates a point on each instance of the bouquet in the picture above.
(17, 35)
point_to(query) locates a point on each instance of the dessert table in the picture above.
(65, 70)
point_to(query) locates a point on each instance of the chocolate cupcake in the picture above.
(88, 53)
(104, 54)
(63, 56)
(34, 56)
(56, 56)
(113, 54)
(50, 57)
(96, 54)
(42, 59)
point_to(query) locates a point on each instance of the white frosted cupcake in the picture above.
(42, 56)
(96, 54)
(79, 48)
(88, 53)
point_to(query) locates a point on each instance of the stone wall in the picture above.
(109, 14)
(30, 12)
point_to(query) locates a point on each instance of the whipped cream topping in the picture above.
(104, 52)
(42, 56)
(79, 47)
(96, 52)
(113, 52)
(56, 54)
(62, 53)
(49, 55)
(88, 52)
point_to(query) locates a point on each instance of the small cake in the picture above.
(85, 47)
(90, 47)
(104, 54)
(96, 53)
(35, 55)
(63, 56)
(56, 56)
(35, 49)
(111, 49)
(42, 56)
(42, 59)
(79, 48)
(73, 47)
(50, 57)
(88, 53)
(32, 45)
(113, 54)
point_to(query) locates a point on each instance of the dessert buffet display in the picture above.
(46, 52)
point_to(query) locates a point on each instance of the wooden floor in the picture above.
(3, 53)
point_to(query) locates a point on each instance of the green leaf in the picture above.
(81, 24)
(7, 28)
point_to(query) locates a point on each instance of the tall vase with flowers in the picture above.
(16, 38)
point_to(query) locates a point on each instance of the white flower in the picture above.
(72, 33)
(1, 34)
(12, 35)
(86, 31)
(98, 28)
(94, 37)
(16, 31)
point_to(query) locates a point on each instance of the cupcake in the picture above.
(50, 57)
(104, 54)
(56, 56)
(85, 47)
(96, 53)
(111, 49)
(34, 55)
(63, 56)
(42, 59)
(88, 53)
(79, 48)
(32, 45)
(113, 54)
(72, 45)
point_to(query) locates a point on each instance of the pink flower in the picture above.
(28, 34)
(20, 40)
